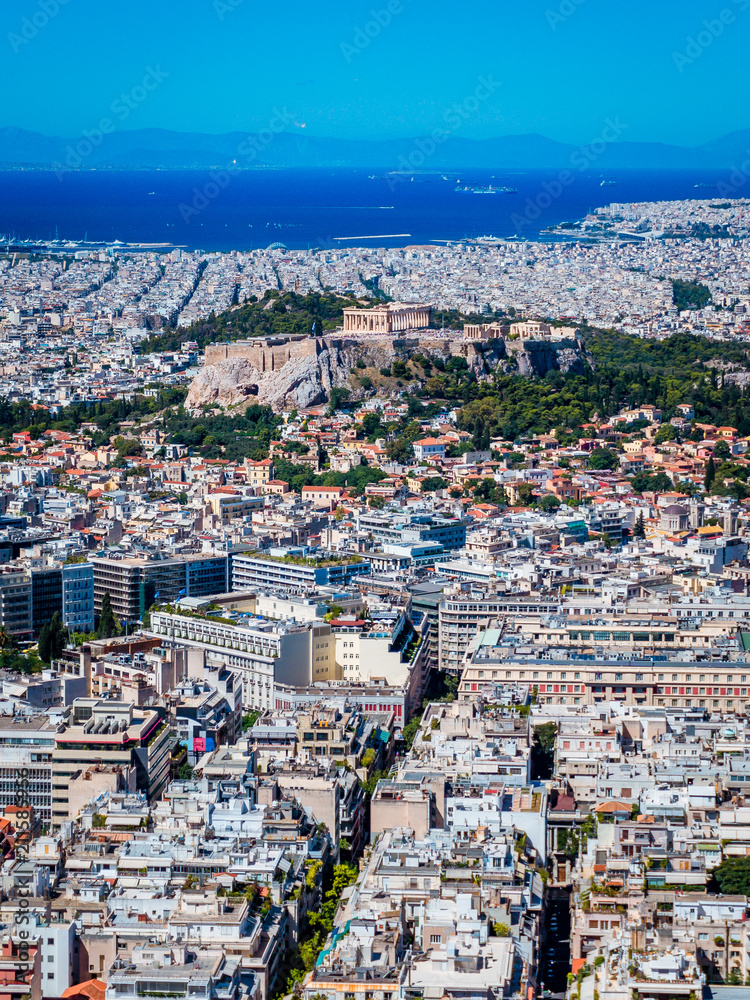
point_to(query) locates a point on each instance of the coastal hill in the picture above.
(151, 148)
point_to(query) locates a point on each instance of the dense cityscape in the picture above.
(88, 313)
(377, 621)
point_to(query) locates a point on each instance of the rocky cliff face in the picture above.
(537, 357)
(307, 380)
(301, 382)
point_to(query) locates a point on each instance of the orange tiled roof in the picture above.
(93, 988)
(612, 806)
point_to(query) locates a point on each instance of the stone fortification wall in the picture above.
(266, 354)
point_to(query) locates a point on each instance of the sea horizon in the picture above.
(322, 207)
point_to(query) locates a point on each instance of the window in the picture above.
(434, 939)
(703, 937)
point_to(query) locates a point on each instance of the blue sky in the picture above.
(558, 67)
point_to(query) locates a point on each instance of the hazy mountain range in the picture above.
(151, 148)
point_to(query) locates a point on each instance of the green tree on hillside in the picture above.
(548, 503)
(433, 483)
(603, 458)
(657, 483)
(665, 433)
(399, 450)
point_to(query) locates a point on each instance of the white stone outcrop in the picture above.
(301, 382)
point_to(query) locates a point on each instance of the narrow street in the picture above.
(555, 955)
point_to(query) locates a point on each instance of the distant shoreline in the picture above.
(258, 206)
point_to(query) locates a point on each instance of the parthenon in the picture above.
(390, 318)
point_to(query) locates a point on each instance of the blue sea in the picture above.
(316, 208)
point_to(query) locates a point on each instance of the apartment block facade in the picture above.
(133, 584)
(251, 572)
(262, 654)
(109, 733)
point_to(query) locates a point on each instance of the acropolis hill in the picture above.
(301, 370)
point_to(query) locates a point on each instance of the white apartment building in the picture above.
(365, 654)
(262, 653)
